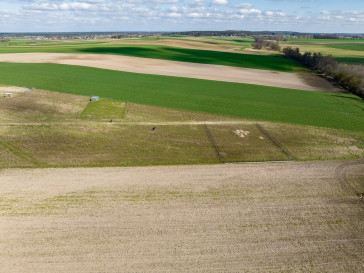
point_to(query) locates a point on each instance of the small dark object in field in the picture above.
(110, 120)
(153, 129)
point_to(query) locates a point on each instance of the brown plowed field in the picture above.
(179, 69)
(286, 217)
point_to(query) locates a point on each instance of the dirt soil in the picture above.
(286, 217)
(207, 45)
(180, 69)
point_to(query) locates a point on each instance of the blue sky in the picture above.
(179, 15)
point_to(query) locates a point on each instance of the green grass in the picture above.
(107, 144)
(312, 143)
(347, 46)
(252, 147)
(276, 63)
(232, 99)
(104, 109)
(104, 144)
(351, 60)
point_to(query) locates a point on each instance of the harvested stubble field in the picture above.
(227, 218)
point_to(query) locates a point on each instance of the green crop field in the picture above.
(347, 46)
(350, 53)
(341, 111)
(276, 63)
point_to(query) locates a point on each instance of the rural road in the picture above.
(179, 69)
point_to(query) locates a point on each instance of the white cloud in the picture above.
(93, 1)
(63, 6)
(154, 1)
(257, 11)
(174, 15)
(174, 9)
(169, 15)
(244, 5)
(195, 15)
(220, 2)
(197, 3)
(237, 16)
(42, 6)
(250, 11)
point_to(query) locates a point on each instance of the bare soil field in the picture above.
(180, 69)
(200, 43)
(285, 217)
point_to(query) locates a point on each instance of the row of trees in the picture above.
(260, 43)
(350, 77)
(326, 36)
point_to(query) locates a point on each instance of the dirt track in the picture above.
(179, 69)
(221, 218)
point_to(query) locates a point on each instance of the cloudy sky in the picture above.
(179, 15)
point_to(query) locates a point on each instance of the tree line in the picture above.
(269, 44)
(350, 77)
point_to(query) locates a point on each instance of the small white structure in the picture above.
(8, 95)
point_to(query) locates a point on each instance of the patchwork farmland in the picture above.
(136, 181)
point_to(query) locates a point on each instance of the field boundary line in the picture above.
(259, 162)
(84, 109)
(276, 142)
(125, 109)
(215, 145)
